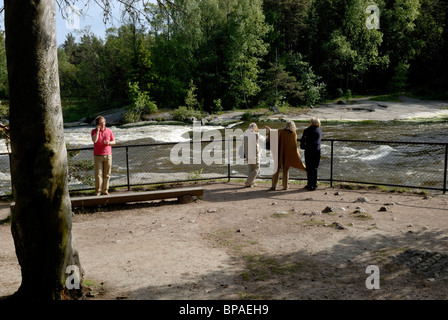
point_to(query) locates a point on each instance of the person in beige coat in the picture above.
(286, 155)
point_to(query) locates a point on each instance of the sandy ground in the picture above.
(251, 243)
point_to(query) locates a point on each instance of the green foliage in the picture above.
(247, 116)
(4, 111)
(245, 29)
(217, 106)
(195, 175)
(191, 109)
(280, 86)
(185, 114)
(141, 103)
(68, 75)
(74, 110)
(292, 82)
(191, 100)
(348, 95)
(349, 48)
(211, 55)
(314, 90)
(399, 80)
(4, 87)
(339, 93)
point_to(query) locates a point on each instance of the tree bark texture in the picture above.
(41, 221)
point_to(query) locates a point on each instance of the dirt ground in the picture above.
(251, 243)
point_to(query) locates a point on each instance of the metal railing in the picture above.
(420, 165)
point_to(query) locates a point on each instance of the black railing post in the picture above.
(445, 171)
(127, 168)
(228, 159)
(10, 161)
(331, 164)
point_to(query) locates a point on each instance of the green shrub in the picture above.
(217, 108)
(141, 103)
(339, 93)
(184, 113)
(191, 100)
(247, 116)
(348, 95)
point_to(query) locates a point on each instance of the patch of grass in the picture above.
(362, 216)
(353, 186)
(89, 283)
(383, 255)
(387, 97)
(194, 175)
(349, 187)
(225, 238)
(246, 296)
(386, 252)
(93, 287)
(261, 268)
(287, 109)
(403, 190)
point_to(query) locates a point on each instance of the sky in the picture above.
(68, 21)
(92, 17)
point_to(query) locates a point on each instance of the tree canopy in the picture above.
(257, 53)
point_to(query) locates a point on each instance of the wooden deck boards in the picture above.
(117, 198)
(185, 195)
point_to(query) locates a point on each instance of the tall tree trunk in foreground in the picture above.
(42, 216)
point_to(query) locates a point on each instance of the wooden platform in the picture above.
(184, 195)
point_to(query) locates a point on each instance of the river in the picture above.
(390, 131)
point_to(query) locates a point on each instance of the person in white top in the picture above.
(251, 139)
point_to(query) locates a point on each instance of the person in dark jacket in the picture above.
(310, 142)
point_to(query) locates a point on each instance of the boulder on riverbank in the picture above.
(113, 117)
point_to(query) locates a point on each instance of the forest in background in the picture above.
(215, 55)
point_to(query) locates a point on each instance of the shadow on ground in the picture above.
(407, 270)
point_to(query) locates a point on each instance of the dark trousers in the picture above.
(312, 161)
